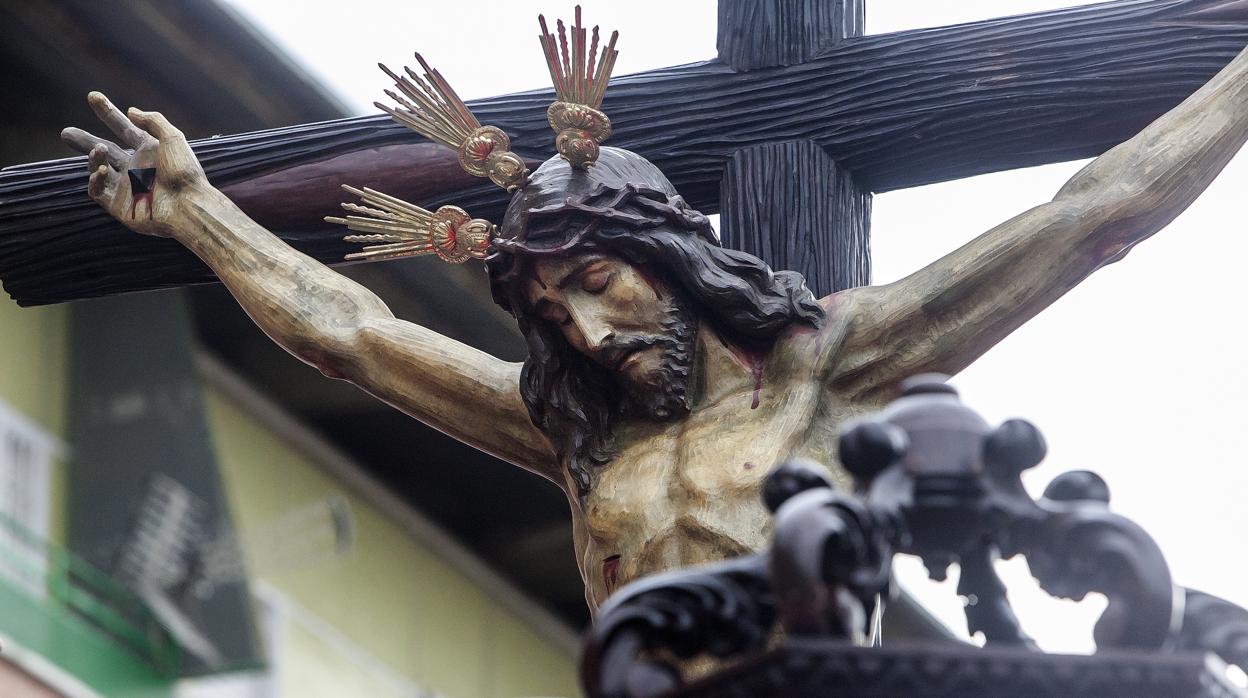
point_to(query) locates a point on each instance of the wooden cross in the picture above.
(788, 202)
(796, 122)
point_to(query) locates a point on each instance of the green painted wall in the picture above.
(391, 597)
(63, 638)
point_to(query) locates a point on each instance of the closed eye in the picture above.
(596, 281)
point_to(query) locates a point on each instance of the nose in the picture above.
(594, 328)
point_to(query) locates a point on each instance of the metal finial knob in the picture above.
(926, 383)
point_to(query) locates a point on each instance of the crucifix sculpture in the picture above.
(667, 373)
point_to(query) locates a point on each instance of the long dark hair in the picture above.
(625, 207)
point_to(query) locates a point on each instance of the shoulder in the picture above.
(845, 314)
(842, 311)
(816, 347)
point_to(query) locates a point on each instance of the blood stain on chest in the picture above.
(611, 572)
(753, 362)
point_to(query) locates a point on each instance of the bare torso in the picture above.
(689, 491)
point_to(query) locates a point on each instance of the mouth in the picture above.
(620, 358)
(625, 351)
(615, 358)
(628, 359)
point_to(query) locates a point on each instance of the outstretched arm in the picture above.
(318, 315)
(946, 315)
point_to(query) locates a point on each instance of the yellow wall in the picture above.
(34, 379)
(34, 356)
(390, 596)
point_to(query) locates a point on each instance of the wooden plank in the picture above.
(765, 33)
(791, 205)
(898, 110)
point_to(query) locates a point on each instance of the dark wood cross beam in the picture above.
(789, 202)
(896, 110)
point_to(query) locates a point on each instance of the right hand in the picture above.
(159, 160)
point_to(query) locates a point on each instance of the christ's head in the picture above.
(611, 276)
(630, 323)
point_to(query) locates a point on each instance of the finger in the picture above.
(98, 156)
(117, 122)
(84, 143)
(98, 186)
(155, 123)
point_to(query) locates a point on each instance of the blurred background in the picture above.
(187, 510)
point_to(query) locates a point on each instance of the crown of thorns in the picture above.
(390, 227)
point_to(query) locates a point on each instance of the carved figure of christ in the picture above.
(669, 375)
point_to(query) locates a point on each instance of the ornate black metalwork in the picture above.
(811, 668)
(936, 481)
(1216, 625)
(646, 628)
(831, 555)
(956, 485)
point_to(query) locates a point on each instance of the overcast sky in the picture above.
(1137, 374)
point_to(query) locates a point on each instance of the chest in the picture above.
(715, 460)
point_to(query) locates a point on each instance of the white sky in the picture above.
(1136, 374)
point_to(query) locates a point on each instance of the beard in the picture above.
(663, 394)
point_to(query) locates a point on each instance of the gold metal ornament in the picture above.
(391, 227)
(431, 107)
(397, 228)
(580, 83)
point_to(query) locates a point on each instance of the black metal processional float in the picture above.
(851, 115)
(936, 481)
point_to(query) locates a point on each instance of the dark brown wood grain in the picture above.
(765, 33)
(791, 205)
(897, 110)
